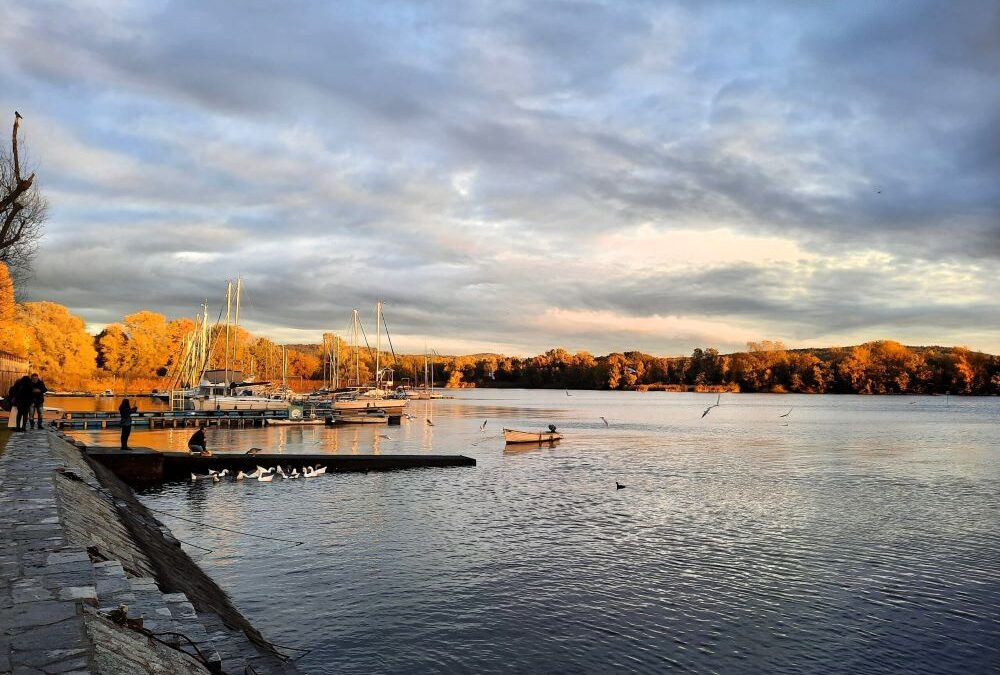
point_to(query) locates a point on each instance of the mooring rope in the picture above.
(226, 529)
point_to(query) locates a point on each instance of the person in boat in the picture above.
(196, 443)
(552, 428)
(126, 410)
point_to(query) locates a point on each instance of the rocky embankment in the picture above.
(91, 582)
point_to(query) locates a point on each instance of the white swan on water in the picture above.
(265, 478)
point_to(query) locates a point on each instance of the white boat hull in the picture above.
(515, 436)
(390, 405)
(224, 403)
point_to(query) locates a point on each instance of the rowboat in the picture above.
(515, 436)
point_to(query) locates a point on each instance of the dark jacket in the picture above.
(38, 390)
(21, 392)
(198, 438)
(126, 410)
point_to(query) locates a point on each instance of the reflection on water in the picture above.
(861, 537)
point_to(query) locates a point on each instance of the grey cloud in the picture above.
(846, 128)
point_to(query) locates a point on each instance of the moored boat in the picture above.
(516, 436)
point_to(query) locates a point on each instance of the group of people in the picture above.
(196, 443)
(28, 396)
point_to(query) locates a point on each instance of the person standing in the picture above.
(21, 394)
(126, 411)
(38, 390)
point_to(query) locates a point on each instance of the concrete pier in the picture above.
(143, 465)
(91, 582)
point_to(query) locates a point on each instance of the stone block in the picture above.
(87, 594)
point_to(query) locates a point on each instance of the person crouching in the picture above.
(197, 444)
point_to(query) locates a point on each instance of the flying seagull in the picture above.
(605, 422)
(717, 403)
(787, 413)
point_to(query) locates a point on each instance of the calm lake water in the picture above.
(857, 534)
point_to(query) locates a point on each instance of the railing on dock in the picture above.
(177, 419)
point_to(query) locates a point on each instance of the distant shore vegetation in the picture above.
(141, 351)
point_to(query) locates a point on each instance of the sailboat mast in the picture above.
(236, 329)
(284, 367)
(336, 363)
(357, 351)
(378, 342)
(229, 311)
(203, 352)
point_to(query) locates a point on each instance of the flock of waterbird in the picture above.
(261, 474)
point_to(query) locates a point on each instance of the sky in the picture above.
(516, 176)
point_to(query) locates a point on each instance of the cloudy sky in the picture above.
(521, 175)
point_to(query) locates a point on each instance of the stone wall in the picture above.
(76, 545)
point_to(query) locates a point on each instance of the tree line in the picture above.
(144, 348)
(880, 367)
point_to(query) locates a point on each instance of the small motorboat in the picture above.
(293, 423)
(366, 417)
(515, 436)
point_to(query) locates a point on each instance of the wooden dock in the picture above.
(169, 419)
(143, 465)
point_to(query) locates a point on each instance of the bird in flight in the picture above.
(787, 413)
(605, 421)
(483, 425)
(717, 403)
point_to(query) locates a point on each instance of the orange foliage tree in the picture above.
(59, 347)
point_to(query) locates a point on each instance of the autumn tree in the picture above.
(22, 208)
(59, 346)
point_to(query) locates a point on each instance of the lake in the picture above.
(855, 534)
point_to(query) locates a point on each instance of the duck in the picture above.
(309, 472)
(240, 475)
(320, 470)
(265, 478)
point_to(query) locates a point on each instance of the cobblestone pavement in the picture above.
(55, 595)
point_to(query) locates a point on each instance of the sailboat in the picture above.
(380, 395)
(232, 392)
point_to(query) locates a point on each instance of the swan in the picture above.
(319, 470)
(265, 478)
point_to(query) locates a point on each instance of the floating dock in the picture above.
(143, 465)
(170, 419)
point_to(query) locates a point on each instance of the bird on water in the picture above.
(619, 486)
(430, 423)
(787, 413)
(605, 421)
(483, 426)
